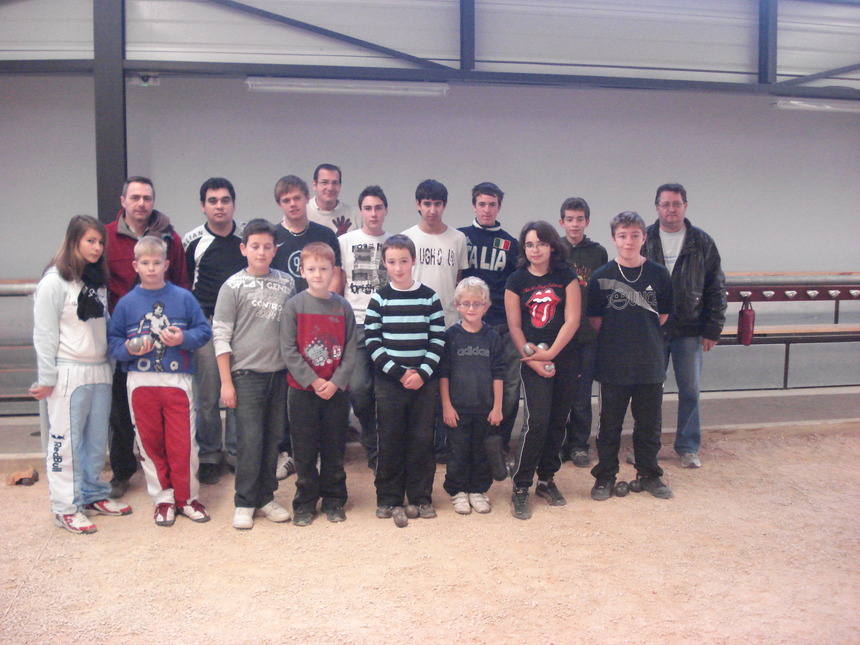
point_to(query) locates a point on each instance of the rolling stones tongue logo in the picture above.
(542, 304)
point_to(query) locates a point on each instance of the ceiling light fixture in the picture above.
(819, 105)
(336, 86)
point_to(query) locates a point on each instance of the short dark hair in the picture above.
(290, 182)
(575, 204)
(546, 233)
(372, 191)
(627, 218)
(331, 168)
(672, 188)
(137, 179)
(432, 190)
(399, 241)
(216, 183)
(258, 226)
(487, 188)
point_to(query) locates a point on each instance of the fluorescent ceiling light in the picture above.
(819, 105)
(325, 86)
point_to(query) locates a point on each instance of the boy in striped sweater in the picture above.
(404, 329)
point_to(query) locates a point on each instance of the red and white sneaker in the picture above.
(107, 507)
(75, 523)
(194, 511)
(165, 514)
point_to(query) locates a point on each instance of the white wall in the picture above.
(777, 189)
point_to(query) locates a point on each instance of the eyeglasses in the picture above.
(470, 305)
(536, 245)
(668, 205)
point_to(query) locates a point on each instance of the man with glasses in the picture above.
(325, 206)
(698, 284)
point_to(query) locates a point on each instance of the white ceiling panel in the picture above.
(689, 39)
(46, 29)
(814, 38)
(197, 30)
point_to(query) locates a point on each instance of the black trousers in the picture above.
(122, 459)
(546, 407)
(318, 429)
(646, 403)
(468, 470)
(405, 459)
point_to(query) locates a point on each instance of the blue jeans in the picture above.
(579, 423)
(361, 394)
(686, 354)
(260, 401)
(78, 418)
(207, 392)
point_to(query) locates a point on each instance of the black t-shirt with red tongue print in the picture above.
(542, 300)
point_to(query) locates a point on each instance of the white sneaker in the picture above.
(194, 511)
(461, 503)
(690, 460)
(274, 512)
(286, 466)
(243, 518)
(75, 523)
(107, 506)
(479, 502)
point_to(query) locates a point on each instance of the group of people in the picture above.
(432, 337)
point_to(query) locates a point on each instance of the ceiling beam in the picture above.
(451, 75)
(328, 33)
(819, 75)
(467, 35)
(767, 34)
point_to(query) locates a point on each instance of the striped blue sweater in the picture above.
(405, 330)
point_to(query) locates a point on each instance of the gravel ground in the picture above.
(760, 545)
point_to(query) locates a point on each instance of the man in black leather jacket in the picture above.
(698, 283)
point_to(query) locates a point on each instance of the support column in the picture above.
(109, 54)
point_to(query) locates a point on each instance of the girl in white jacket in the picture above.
(75, 376)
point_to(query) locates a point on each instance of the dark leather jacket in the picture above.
(698, 283)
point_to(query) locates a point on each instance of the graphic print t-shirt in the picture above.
(630, 340)
(542, 300)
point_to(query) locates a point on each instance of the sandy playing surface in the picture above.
(760, 545)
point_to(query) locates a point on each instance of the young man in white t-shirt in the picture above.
(441, 257)
(441, 250)
(364, 273)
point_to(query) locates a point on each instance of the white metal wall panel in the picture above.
(683, 39)
(814, 38)
(196, 30)
(46, 29)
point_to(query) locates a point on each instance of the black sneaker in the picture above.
(209, 474)
(426, 511)
(303, 517)
(550, 492)
(118, 488)
(656, 487)
(602, 489)
(335, 513)
(520, 499)
(384, 512)
(580, 458)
